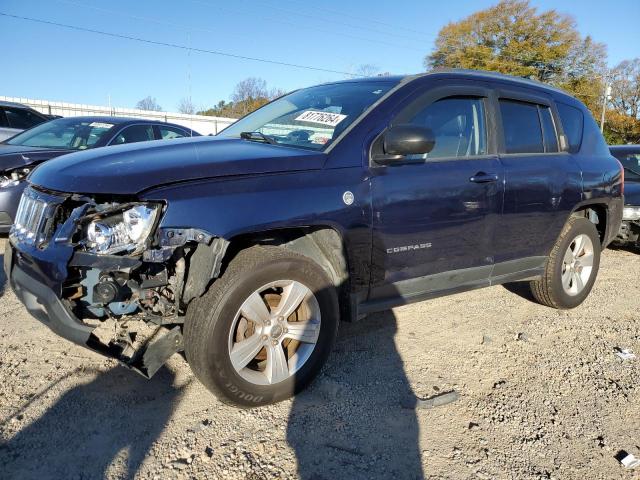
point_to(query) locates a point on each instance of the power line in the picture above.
(368, 20)
(305, 26)
(187, 28)
(176, 45)
(314, 16)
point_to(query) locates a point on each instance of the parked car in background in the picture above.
(14, 118)
(23, 152)
(246, 249)
(629, 156)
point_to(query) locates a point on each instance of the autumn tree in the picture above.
(248, 95)
(623, 116)
(149, 103)
(512, 37)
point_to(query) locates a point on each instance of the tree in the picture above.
(623, 118)
(149, 103)
(186, 106)
(513, 38)
(248, 95)
(367, 70)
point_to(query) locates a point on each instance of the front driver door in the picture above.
(436, 213)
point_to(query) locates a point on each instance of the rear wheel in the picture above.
(264, 329)
(572, 266)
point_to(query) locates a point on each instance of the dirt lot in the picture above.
(542, 395)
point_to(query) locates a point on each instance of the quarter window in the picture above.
(572, 124)
(458, 125)
(521, 125)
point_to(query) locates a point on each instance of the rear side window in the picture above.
(22, 119)
(572, 124)
(167, 133)
(134, 134)
(548, 129)
(522, 129)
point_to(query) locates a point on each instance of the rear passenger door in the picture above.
(542, 181)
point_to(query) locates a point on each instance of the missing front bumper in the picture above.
(44, 305)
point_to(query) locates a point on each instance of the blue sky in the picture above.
(44, 61)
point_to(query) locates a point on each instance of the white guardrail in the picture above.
(202, 124)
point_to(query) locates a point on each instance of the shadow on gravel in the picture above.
(115, 418)
(3, 277)
(521, 289)
(350, 423)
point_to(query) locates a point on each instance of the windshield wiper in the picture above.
(258, 137)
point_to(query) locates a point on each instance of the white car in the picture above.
(14, 118)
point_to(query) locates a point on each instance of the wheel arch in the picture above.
(597, 213)
(323, 244)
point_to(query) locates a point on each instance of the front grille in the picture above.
(34, 219)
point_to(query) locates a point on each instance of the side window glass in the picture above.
(548, 129)
(521, 125)
(631, 164)
(167, 133)
(133, 134)
(22, 119)
(572, 124)
(458, 125)
(3, 121)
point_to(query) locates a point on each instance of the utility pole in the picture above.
(607, 96)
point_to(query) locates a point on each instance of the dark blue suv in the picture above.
(334, 201)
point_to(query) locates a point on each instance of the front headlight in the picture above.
(631, 213)
(124, 232)
(13, 177)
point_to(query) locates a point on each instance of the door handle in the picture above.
(482, 177)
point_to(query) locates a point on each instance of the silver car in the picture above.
(14, 118)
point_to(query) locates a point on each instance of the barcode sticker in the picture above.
(323, 118)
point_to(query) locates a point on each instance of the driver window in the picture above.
(458, 125)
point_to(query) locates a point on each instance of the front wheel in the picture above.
(264, 329)
(572, 266)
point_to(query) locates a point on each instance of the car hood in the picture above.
(14, 156)
(632, 193)
(130, 169)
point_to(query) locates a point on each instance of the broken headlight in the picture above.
(13, 177)
(126, 231)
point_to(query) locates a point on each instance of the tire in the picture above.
(209, 340)
(550, 290)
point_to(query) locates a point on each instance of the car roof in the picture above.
(122, 121)
(625, 148)
(13, 104)
(465, 73)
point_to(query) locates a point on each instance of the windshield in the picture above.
(631, 164)
(67, 133)
(310, 118)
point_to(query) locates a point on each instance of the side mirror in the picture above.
(405, 139)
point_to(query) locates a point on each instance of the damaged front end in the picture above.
(103, 274)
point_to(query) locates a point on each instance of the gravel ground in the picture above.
(541, 395)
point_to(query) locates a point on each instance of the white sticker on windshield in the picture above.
(101, 125)
(323, 118)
